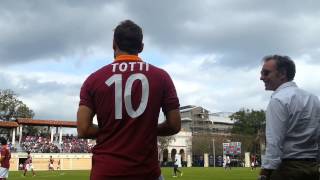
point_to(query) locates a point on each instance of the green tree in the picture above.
(201, 143)
(249, 129)
(164, 141)
(218, 140)
(248, 122)
(11, 107)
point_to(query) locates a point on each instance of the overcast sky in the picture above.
(212, 49)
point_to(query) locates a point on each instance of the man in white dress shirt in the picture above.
(292, 125)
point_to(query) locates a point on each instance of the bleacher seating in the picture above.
(42, 144)
(38, 144)
(72, 144)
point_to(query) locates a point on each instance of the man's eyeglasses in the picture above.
(265, 72)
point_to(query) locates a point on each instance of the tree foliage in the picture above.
(11, 107)
(248, 128)
(201, 143)
(248, 142)
(164, 141)
(248, 122)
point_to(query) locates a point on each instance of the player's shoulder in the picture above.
(100, 71)
(155, 68)
(158, 71)
(94, 76)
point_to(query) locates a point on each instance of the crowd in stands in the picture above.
(12, 148)
(72, 144)
(42, 144)
(38, 144)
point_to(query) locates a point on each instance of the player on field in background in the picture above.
(253, 162)
(28, 165)
(58, 165)
(51, 161)
(176, 165)
(228, 163)
(5, 156)
(126, 96)
(224, 162)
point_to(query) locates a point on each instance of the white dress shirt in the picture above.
(292, 125)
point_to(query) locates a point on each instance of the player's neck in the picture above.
(120, 53)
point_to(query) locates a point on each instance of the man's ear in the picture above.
(283, 75)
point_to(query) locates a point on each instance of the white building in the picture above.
(221, 122)
(181, 143)
(195, 119)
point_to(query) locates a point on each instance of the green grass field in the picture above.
(188, 174)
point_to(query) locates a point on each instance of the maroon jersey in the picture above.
(28, 160)
(5, 152)
(127, 96)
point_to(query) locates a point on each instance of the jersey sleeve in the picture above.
(3, 153)
(86, 95)
(170, 99)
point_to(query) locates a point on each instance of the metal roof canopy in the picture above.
(39, 122)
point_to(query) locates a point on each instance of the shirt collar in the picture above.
(127, 58)
(284, 85)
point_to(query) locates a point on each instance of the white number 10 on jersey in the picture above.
(117, 80)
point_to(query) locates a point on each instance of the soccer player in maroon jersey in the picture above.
(4, 159)
(50, 166)
(126, 96)
(28, 165)
(58, 166)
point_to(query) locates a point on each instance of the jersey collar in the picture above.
(127, 58)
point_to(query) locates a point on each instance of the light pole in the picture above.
(214, 153)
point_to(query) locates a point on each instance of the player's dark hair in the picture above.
(3, 141)
(284, 65)
(128, 37)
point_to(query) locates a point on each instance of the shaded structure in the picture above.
(16, 127)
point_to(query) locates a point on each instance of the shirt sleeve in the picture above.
(276, 118)
(86, 94)
(170, 99)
